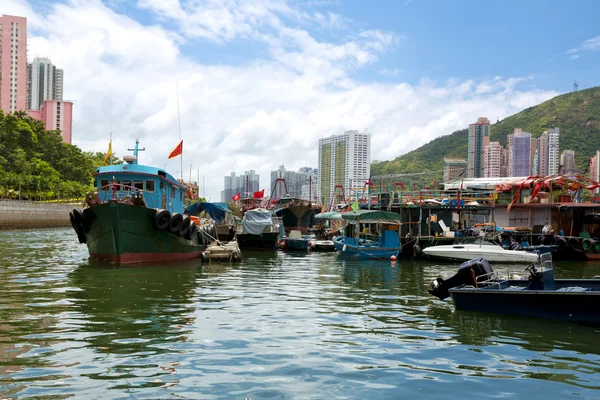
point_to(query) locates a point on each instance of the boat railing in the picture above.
(495, 278)
(121, 192)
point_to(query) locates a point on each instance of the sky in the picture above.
(252, 85)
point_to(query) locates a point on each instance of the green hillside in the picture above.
(577, 115)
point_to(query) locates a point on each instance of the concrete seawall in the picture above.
(26, 215)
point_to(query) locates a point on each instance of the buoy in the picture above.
(344, 248)
(393, 258)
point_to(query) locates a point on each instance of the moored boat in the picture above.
(136, 215)
(258, 229)
(296, 241)
(377, 240)
(322, 245)
(477, 287)
(480, 248)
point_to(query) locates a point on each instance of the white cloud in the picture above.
(592, 44)
(259, 115)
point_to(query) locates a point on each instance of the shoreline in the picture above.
(16, 215)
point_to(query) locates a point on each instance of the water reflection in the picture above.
(129, 310)
(277, 325)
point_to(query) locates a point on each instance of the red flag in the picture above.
(260, 194)
(178, 150)
(236, 197)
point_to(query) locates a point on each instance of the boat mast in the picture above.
(136, 150)
(179, 122)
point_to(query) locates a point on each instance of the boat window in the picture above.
(138, 185)
(126, 185)
(172, 191)
(150, 186)
(103, 184)
(180, 196)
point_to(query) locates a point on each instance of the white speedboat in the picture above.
(488, 250)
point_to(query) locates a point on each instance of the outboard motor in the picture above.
(467, 275)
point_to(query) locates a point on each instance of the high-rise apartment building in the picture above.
(567, 161)
(311, 183)
(543, 154)
(454, 168)
(343, 160)
(297, 183)
(493, 160)
(245, 185)
(44, 82)
(509, 151)
(479, 138)
(553, 147)
(13, 63)
(56, 115)
(533, 156)
(521, 153)
(595, 169)
(505, 166)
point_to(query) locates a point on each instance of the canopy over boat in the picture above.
(371, 217)
(329, 215)
(217, 211)
(256, 220)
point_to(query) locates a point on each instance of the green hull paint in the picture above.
(123, 233)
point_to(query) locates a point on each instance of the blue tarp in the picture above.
(215, 210)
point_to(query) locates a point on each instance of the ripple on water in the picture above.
(276, 326)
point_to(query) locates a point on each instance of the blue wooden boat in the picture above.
(296, 241)
(369, 234)
(477, 287)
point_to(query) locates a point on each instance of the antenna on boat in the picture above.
(179, 122)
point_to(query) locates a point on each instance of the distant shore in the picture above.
(16, 214)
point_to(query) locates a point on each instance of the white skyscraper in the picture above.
(344, 160)
(44, 82)
(553, 154)
(492, 160)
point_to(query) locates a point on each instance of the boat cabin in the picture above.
(142, 185)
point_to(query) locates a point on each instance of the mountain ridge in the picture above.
(577, 114)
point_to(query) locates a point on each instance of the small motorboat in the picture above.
(296, 241)
(477, 287)
(480, 248)
(322, 245)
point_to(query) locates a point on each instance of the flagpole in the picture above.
(110, 122)
(179, 121)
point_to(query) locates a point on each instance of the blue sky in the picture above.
(260, 81)
(440, 40)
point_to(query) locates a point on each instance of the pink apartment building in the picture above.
(56, 115)
(13, 63)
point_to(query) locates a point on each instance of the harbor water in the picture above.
(279, 325)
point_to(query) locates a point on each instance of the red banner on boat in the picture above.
(236, 197)
(260, 194)
(177, 151)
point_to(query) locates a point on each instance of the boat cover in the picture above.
(256, 220)
(215, 210)
(371, 216)
(329, 215)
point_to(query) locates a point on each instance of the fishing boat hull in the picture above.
(262, 241)
(491, 253)
(351, 248)
(125, 234)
